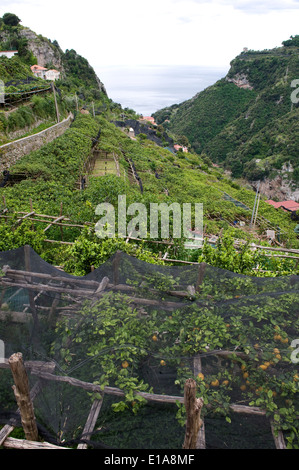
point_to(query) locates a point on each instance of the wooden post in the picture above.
(91, 422)
(193, 407)
(116, 263)
(61, 229)
(278, 437)
(201, 438)
(201, 273)
(35, 328)
(5, 208)
(56, 106)
(22, 394)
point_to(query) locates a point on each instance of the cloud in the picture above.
(160, 32)
(254, 6)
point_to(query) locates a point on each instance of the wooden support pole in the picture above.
(8, 428)
(22, 394)
(91, 422)
(278, 437)
(201, 437)
(116, 264)
(35, 329)
(193, 407)
(56, 106)
(201, 273)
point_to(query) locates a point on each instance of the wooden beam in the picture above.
(12, 443)
(58, 219)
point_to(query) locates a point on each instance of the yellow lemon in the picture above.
(215, 383)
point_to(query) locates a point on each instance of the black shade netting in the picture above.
(123, 340)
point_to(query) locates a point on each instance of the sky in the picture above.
(125, 41)
(159, 32)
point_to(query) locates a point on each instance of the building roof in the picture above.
(286, 205)
(8, 51)
(37, 67)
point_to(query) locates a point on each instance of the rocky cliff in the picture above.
(46, 53)
(49, 54)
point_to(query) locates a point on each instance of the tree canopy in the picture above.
(10, 19)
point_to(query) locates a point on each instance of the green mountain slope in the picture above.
(247, 115)
(49, 179)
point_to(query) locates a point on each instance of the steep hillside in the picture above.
(34, 48)
(30, 104)
(59, 176)
(247, 121)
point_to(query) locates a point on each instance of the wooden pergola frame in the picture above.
(195, 430)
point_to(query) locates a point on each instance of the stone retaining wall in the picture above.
(12, 152)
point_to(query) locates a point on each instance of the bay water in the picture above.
(149, 88)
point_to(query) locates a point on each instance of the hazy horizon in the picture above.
(148, 88)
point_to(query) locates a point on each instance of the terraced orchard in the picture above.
(105, 164)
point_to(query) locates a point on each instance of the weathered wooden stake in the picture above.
(201, 273)
(193, 407)
(22, 394)
(201, 438)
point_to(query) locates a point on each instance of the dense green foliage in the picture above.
(235, 126)
(13, 67)
(10, 19)
(50, 176)
(121, 344)
(225, 117)
(201, 119)
(41, 108)
(11, 38)
(79, 69)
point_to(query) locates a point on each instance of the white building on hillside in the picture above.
(44, 73)
(8, 54)
(38, 71)
(52, 75)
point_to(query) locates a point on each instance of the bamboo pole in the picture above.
(22, 394)
(193, 407)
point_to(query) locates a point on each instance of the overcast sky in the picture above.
(159, 32)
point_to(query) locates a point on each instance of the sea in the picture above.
(149, 88)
